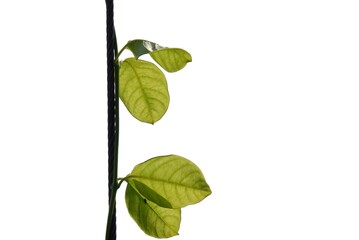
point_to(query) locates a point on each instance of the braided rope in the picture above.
(111, 104)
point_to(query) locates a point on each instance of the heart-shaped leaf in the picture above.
(141, 47)
(154, 220)
(171, 179)
(143, 89)
(171, 59)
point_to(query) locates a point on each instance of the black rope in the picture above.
(111, 104)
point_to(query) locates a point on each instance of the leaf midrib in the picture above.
(159, 216)
(164, 181)
(142, 89)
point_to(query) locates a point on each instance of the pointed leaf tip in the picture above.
(171, 59)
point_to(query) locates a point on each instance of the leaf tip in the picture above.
(189, 57)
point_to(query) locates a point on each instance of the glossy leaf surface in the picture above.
(143, 89)
(170, 181)
(141, 47)
(171, 59)
(154, 220)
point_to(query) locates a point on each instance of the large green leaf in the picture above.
(171, 59)
(154, 220)
(170, 181)
(141, 47)
(143, 90)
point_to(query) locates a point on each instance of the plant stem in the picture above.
(114, 186)
(112, 207)
(110, 213)
(117, 121)
(119, 53)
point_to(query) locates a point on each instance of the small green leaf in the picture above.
(141, 47)
(143, 89)
(171, 59)
(155, 197)
(154, 220)
(172, 180)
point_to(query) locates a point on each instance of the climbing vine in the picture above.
(159, 187)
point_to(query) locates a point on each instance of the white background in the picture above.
(268, 109)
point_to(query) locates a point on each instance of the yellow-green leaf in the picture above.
(143, 89)
(171, 59)
(154, 220)
(170, 181)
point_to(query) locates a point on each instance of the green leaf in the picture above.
(154, 220)
(154, 196)
(171, 179)
(141, 47)
(143, 89)
(171, 59)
